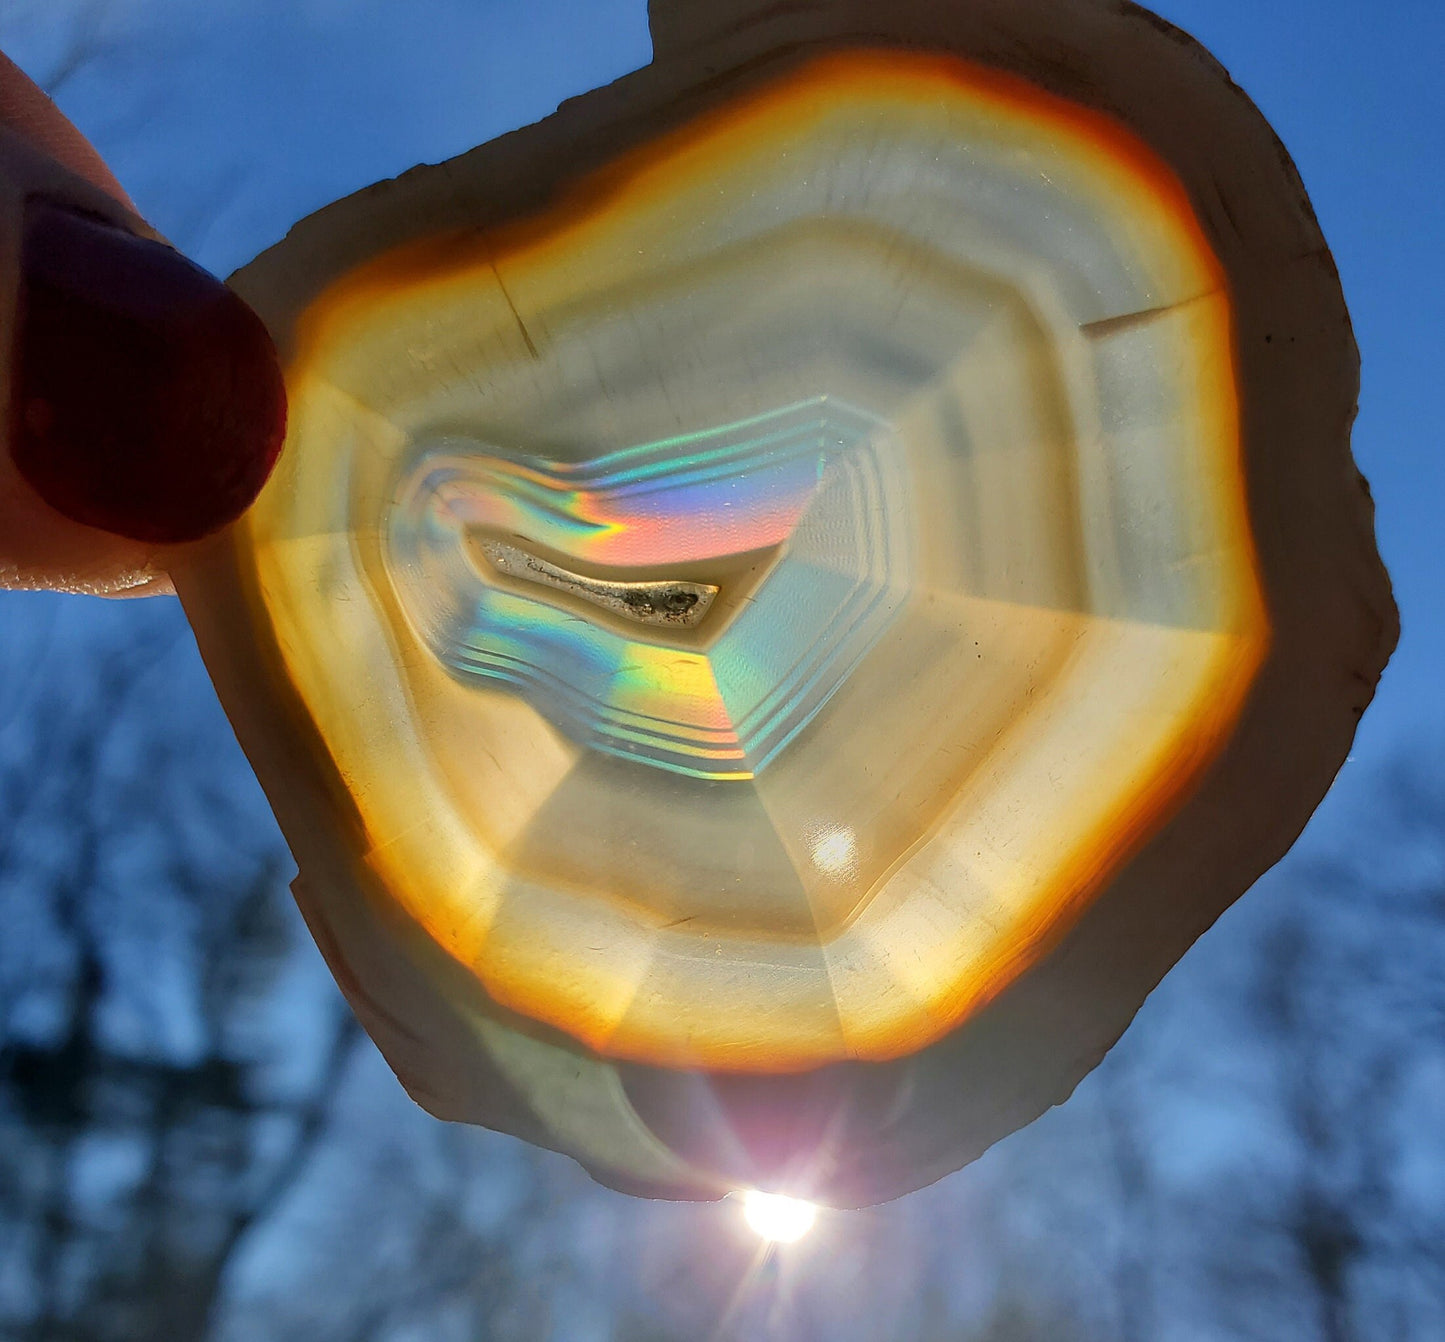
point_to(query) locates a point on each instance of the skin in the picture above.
(39, 547)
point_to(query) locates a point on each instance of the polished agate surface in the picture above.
(756, 603)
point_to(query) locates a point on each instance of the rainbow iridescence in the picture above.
(819, 483)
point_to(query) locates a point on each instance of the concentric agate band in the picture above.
(776, 597)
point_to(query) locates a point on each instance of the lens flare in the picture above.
(776, 1218)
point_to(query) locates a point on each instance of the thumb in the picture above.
(140, 400)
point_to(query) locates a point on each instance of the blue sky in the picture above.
(1354, 91)
(229, 121)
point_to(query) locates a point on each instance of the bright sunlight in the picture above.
(778, 1219)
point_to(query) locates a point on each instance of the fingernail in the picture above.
(145, 398)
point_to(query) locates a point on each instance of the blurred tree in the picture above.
(194, 1143)
(1262, 1155)
(1349, 1004)
(136, 1152)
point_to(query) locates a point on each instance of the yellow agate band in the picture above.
(929, 377)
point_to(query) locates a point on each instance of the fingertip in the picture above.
(146, 397)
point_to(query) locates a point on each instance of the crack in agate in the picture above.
(661, 601)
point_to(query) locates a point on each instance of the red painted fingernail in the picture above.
(146, 398)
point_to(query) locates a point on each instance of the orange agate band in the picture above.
(919, 856)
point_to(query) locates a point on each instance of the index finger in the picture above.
(28, 111)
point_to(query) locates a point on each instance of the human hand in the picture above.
(141, 404)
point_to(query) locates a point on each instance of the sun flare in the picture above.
(776, 1218)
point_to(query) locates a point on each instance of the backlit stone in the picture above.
(799, 585)
(930, 379)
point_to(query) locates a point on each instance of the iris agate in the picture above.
(926, 378)
(812, 494)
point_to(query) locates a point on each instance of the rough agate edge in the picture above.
(853, 1133)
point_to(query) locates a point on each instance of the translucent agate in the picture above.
(924, 378)
(800, 584)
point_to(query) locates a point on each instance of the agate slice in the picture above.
(799, 585)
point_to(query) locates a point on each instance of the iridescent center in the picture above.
(808, 496)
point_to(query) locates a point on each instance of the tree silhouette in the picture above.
(131, 1167)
